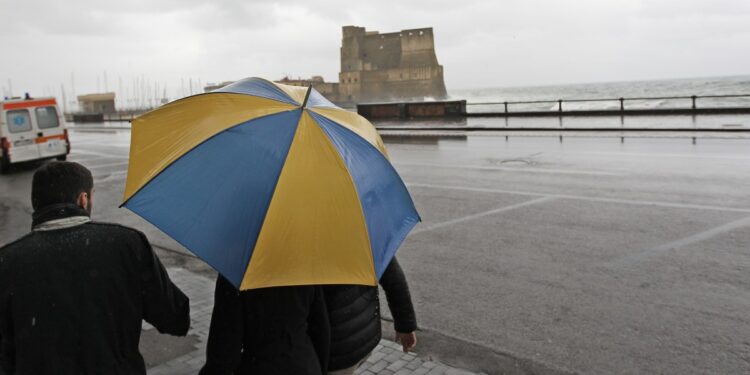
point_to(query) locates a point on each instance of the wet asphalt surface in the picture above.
(587, 255)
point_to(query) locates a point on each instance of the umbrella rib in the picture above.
(307, 96)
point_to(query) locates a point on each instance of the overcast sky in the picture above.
(480, 43)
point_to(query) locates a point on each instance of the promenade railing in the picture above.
(638, 103)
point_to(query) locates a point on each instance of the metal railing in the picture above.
(621, 100)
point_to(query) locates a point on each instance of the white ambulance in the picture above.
(31, 129)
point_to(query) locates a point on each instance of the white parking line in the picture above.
(118, 164)
(583, 198)
(511, 169)
(657, 156)
(676, 245)
(99, 154)
(103, 144)
(95, 162)
(114, 176)
(481, 214)
(82, 159)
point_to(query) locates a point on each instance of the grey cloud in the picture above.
(53, 18)
(513, 42)
(680, 9)
(232, 15)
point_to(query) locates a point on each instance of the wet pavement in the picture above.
(536, 255)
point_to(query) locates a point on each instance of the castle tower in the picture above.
(391, 66)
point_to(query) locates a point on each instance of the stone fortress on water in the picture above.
(375, 67)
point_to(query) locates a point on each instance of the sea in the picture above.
(661, 89)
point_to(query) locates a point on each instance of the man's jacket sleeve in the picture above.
(7, 351)
(164, 305)
(397, 293)
(225, 338)
(320, 329)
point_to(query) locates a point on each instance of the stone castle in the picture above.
(391, 66)
(398, 66)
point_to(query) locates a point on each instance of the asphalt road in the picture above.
(587, 255)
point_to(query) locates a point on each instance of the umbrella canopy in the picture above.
(271, 185)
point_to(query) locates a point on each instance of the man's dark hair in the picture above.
(59, 182)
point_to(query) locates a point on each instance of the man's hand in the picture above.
(407, 340)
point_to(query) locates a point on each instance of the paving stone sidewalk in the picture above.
(387, 358)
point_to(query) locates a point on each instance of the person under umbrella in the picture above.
(280, 330)
(274, 187)
(354, 313)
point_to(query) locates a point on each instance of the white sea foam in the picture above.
(612, 90)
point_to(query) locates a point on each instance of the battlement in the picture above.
(416, 33)
(351, 31)
(355, 31)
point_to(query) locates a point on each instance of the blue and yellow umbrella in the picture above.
(271, 185)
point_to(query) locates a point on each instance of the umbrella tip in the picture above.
(307, 96)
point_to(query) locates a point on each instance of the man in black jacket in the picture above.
(279, 331)
(354, 313)
(73, 292)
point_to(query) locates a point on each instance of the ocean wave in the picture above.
(613, 90)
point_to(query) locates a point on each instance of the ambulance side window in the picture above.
(46, 117)
(18, 121)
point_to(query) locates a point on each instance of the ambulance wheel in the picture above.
(62, 157)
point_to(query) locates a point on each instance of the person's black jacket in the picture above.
(72, 300)
(354, 313)
(279, 331)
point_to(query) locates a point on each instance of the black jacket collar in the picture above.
(56, 211)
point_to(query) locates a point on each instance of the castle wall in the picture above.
(390, 66)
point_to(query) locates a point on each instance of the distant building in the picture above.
(97, 103)
(328, 89)
(392, 66)
(378, 67)
(215, 86)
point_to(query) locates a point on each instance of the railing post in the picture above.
(693, 97)
(506, 106)
(622, 104)
(559, 105)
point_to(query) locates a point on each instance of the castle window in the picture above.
(411, 33)
(381, 46)
(421, 32)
